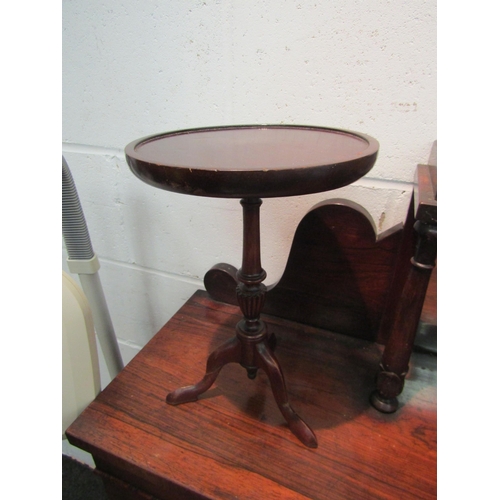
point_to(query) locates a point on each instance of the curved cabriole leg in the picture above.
(251, 347)
(229, 352)
(256, 346)
(267, 361)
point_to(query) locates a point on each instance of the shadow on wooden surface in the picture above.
(233, 442)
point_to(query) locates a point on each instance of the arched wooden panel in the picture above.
(338, 275)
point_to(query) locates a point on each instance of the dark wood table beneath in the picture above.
(234, 443)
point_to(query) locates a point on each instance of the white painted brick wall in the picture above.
(133, 68)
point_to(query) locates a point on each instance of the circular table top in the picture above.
(252, 160)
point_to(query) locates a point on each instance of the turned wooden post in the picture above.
(251, 291)
(396, 357)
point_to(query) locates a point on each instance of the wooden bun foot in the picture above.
(383, 405)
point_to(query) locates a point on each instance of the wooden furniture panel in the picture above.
(234, 442)
(342, 277)
(338, 275)
(413, 274)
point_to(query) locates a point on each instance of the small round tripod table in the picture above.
(251, 162)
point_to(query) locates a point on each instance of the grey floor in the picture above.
(79, 481)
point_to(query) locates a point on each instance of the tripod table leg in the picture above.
(229, 352)
(268, 362)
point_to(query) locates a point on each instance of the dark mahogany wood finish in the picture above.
(342, 277)
(338, 274)
(251, 347)
(234, 442)
(251, 162)
(415, 272)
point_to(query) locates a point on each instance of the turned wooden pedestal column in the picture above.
(251, 347)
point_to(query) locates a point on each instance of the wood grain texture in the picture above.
(429, 311)
(234, 443)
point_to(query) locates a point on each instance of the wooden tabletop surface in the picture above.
(234, 443)
(252, 160)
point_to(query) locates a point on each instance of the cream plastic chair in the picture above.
(80, 367)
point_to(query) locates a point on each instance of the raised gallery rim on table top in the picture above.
(240, 161)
